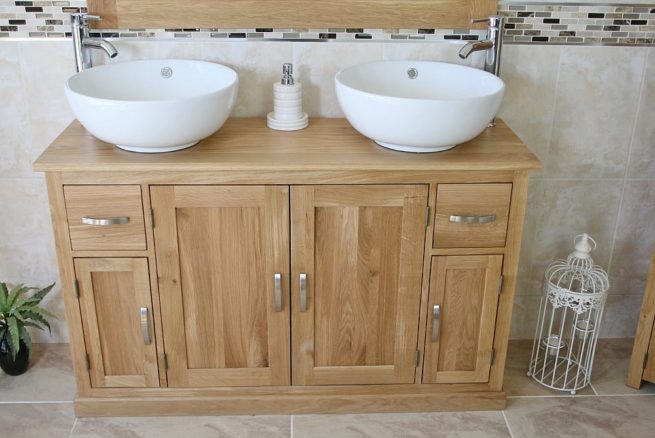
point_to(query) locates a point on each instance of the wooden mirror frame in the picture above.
(283, 14)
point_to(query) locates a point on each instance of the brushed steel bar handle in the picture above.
(145, 327)
(436, 322)
(303, 292)
(105, 221)
(473, 219)
(278, 292)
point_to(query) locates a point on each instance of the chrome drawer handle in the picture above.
(105, 221)
(303, 292)
(436, 322)
(145, 327)
(278, 292)
(473, 219)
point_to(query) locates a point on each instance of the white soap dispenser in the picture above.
(287, 112)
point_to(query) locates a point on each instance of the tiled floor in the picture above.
(38, 404)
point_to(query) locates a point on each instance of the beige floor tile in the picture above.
(49, 378)
(36, 420)
(439, 424)
(174, 427)
(517, 383)
(611, 368)
(597, 417)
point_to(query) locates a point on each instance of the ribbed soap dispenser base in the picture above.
(287, 125)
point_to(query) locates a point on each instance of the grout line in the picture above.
(70, 434)
(578, 396)
(38, 402)
(509, 429)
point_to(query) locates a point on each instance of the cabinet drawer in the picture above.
(105, 217)
(471, 215)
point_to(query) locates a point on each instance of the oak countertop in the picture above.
(248, 144)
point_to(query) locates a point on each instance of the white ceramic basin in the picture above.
(442, 106)
(153, 105)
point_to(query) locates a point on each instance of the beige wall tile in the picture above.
(621, 316)
(46, 66)
(559, 210)
(635, 238)
(27, 253)
(155, 49)
(316, 65)
(530, 75)
(442, 51)
(524, 317)
(259, 65)
(595, 111)
(642, 154)
(13, 113)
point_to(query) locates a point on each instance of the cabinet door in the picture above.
(463, 301)
(223, 265)
(356, 271)
(116, 308)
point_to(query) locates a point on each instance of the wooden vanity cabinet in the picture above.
(265, 273)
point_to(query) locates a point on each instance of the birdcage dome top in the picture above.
(578, 274)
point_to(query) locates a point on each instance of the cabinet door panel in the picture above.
(218, 250)
(361, 248)
(112, 293)
(462, 305)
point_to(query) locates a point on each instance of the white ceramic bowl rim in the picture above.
(225, 85)
(498, 83)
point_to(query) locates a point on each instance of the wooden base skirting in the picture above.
(295, 403)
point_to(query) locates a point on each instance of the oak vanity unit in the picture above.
(271, 272)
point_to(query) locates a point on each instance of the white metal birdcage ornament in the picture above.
(570, 313)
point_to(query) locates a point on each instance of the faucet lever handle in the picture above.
(492, 20)
(93, 17)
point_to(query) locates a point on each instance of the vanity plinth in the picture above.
(268, 272)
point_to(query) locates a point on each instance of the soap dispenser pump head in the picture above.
(287, 74)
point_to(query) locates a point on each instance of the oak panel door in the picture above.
(113, 294)
(463, 302)
(219, 249)
(359, 252)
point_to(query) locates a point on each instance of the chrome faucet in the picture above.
(493, 44)
(82, 42)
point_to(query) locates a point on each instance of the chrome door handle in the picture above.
(105, 221)
(278, 291)
(145, 327)
(436, 322)
(303, 292)
(473, 219)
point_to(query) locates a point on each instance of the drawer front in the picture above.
(471, 215)
(107, 217)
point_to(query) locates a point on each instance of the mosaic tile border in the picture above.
(527, 23)
(579, 24)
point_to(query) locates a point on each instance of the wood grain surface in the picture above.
(236, 14)
(326, 145)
